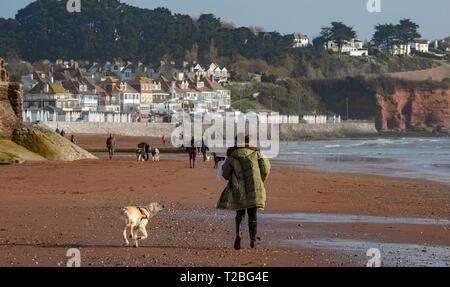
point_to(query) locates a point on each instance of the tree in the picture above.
(384, 37)
(325, 36)
(407, 32)
(340, 34)
(15, 77)
(212, 55)
(192, 55)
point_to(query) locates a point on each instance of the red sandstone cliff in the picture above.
(409, 109)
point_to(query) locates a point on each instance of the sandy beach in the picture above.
(50, 207)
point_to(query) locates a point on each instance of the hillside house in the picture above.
(299, 40)
(352, 48)
(421, 45)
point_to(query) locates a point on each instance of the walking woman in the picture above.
(246, 171)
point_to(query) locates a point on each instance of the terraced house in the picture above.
(129, 98)
(151, 94)
(74, 88)
(88, 99)
(51, 97)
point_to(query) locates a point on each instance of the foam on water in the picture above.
(407, 157)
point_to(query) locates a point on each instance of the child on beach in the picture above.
(192, 151)
(246, 170)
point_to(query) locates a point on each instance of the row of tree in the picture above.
(108, 29)
(387, 36)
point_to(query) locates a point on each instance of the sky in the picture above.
(302, 16)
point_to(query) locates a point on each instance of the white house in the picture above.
(353, 48)
(213, 70)
(129, 98)
(87, 99)
(299, 40)
(421, 45)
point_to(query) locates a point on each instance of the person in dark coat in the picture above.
(111, 144)
(246, 170)
(147, 149)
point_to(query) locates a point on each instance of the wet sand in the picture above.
(50, 207)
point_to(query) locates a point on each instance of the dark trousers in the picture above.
(252, 219)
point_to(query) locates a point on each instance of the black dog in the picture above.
(217, 159)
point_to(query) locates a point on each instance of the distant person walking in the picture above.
(63, 133)
(72, 139)
(111, 144)
(192, 154)
(246, 170)
(204, 149)
(57, 131)
(164, 138)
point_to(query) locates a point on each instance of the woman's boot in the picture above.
(254, 241)
(239, 224)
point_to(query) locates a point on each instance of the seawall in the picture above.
(125, 129)
(287, 131)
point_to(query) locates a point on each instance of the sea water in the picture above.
(421, 158)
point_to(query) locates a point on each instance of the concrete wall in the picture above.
(287, 131)
(125, 129)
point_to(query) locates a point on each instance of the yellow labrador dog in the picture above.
(137, 218)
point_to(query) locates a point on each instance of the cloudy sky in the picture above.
(304, 16)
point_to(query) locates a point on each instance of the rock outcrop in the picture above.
(28, 142)
(414, 110)
(13, 153)
(48, 144)
(10, 104)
